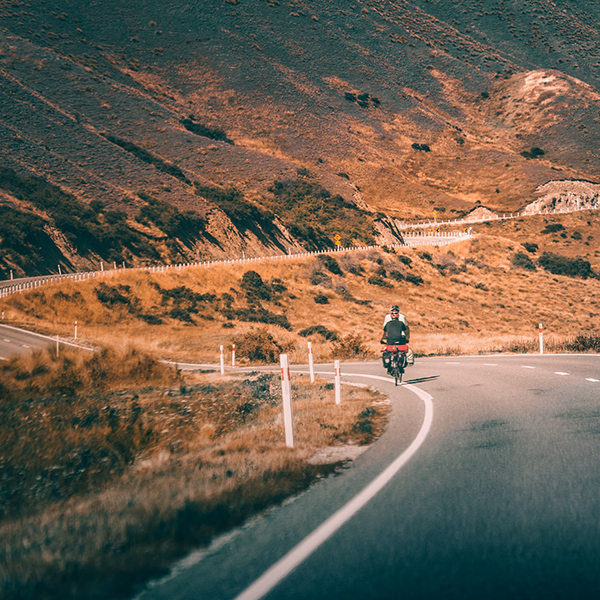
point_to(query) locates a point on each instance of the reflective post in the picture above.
(311, 365)
(286, 393)
(338, 382)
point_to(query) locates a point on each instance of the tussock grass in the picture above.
(105, 484)
(469, 298)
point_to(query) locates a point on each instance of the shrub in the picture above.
(535, 152)
(562, 265)
(421, 147)
(584, 343)
(522, 261)
(330, 264)
(321, 299)
(321, 330)
(255, 287)
(258, 346)
(531, 248)
(552, 228)
(378, 280)
(414, 279)
(214, 133)
(351, 264)
(350, 346)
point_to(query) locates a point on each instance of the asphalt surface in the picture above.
(14, 341)
(494, 493)
(500, 500)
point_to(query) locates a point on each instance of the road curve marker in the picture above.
(284, 566)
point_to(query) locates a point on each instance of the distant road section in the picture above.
(14, 340)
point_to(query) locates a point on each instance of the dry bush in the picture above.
(350, 263)
(259, 346)
(216, 456)
(349, 346)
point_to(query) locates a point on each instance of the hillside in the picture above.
(185, 131)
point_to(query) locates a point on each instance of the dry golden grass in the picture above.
(472, 298)
(104, 486)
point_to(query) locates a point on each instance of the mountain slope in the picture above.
(399, 107)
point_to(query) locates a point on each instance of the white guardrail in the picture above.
(17, 286)
(494, 217)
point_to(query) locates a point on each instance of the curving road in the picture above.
(485, 484)
(492, 490)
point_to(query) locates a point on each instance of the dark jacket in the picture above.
(394, 331)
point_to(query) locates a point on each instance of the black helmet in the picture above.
(394, 309)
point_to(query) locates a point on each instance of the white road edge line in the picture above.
(526, 367)
(560, 373)
(46, 337)
(283, 567)
(594, 380)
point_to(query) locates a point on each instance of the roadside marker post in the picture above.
(222, 362)
(233, 355)
(541, 339)
(286, 393)
(75, 330)
(338, 382)
(57, 344)
(311, 365)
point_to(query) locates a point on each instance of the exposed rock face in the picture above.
(565, 195)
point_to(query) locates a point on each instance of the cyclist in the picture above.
(410, 356)
(395, 332)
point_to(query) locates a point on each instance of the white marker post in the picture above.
(541, 339)
(233, 355)
(338, 382)
(222, 362)
(311, 366)
(286, 393)
(57, 344)
(59, 270)
(75, 330)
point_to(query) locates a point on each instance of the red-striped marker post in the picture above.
(541, 339)
(75, 330)
(311, 366)
(233, 355)
(286, 393)
(338, 382)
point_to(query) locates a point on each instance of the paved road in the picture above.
(499, 500)
(14, 340)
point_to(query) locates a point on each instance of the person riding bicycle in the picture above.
(395, 332)
(402, 318)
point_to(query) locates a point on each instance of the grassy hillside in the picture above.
(402, 107)
(485, 294)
